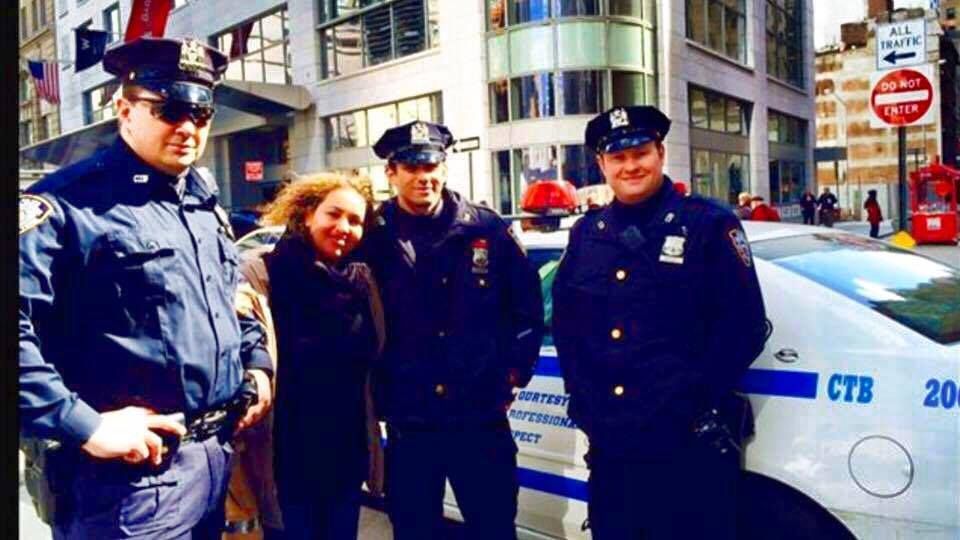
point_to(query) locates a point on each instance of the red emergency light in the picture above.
(549, 197)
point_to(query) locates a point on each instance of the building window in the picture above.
(515, 169)
(258, 50)
(97, 103)
(549, 94)
(35, 16)
(524, 11)
(49, 125)
(111, 22)
(24, 87)
(717, 112)
(23, 24)
(787, 134)
(720, 175)
(787, 181)
(785, 40)
(357, 37)
(532, 96)
(786, 129)
(502, 13)
(26, 133)
(499, 102)
(40, 6)
(364, 127)
(579, 92)
(631, 88)
(720, 25)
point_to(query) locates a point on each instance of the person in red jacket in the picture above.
(761, 211)
(874, 216)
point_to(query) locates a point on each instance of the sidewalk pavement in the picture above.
(863, 227)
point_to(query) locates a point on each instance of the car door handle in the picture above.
(787, 356)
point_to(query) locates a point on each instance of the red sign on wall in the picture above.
(902, 97)
(253, 171)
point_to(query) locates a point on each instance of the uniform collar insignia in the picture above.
(419, 133)
(619, 118)
(141, 178)
(191, 56)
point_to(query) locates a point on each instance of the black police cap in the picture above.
(625, 127)
(415, 143)
(182, 70)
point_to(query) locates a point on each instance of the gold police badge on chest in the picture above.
(672, 250)
(480, 256)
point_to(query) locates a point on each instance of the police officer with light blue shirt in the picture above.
(464, 322)
(129, 346)
(657, 314)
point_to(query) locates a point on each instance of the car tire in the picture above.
(771, 509)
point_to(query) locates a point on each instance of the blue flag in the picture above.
(90, 47)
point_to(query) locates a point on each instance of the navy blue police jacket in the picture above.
(657, 315)
(126, 297)
(464, 319)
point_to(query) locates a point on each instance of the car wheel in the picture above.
(770, 509)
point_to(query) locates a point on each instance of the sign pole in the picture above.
(902, 171)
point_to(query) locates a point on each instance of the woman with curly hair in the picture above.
(323, 309)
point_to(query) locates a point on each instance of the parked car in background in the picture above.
(264, 236)
(243, 220)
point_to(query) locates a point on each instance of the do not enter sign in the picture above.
(902, 97)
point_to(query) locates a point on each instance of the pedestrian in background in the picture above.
(808, 207)
(743, 209)
(328, 327)
(127, 281)
(874, 215)
(657, 314)
(464, 321)
(761, 211)
(828, 207)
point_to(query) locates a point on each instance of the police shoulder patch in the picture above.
(34, 210)
(739, 242)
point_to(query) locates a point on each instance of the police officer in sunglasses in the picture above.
(130, 356)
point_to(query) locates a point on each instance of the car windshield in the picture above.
(266, 237)
(546, 262)
(917, 292)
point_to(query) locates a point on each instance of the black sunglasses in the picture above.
(175, 112)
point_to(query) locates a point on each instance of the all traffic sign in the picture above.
(902, 97)
(901, 44)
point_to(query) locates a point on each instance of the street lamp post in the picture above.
(846, 153)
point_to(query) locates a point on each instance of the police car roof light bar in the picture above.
(549, 197)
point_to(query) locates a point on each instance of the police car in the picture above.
(855, 396)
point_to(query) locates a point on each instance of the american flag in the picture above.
(46, 80)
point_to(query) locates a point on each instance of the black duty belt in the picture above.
(206, 425)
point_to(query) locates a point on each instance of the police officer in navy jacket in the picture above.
(657, 314)
(127, 281)
(464, 322)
